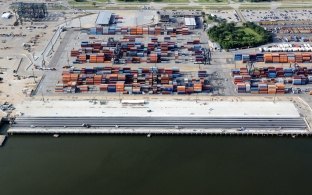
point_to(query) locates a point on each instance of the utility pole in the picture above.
(34, 75)
(79, 22)
(43, 61)
(67, 59)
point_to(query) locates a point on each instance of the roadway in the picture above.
(161, 122)
(59, 59)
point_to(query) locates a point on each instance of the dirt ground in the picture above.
(20, 47)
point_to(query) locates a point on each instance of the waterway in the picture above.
(157, 165)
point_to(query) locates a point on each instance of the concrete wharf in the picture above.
(161, 125)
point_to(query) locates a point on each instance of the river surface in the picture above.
(157, 165)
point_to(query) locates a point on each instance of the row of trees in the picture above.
(229, 36)
(257, 0)
(260, 0)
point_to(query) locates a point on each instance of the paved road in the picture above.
(193, 3)
(163, 122)
(58, 60)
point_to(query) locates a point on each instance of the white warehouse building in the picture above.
(190, 22)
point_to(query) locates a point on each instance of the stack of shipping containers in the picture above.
(133, 81)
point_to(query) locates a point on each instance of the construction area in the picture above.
(53, 55)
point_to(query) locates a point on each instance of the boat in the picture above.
(56, 135)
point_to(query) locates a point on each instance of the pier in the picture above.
(161, 125)
(161, 117)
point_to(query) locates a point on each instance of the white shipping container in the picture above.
(247, 87)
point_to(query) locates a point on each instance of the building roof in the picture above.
(103, 18)
(190, 22)
(216, 45)
(164, 18)
(6, 15)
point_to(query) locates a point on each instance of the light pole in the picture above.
(274, 95)
(196, 97)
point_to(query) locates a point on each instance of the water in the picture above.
(157, 165)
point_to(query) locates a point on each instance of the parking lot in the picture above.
(229, 15)
(290, 16)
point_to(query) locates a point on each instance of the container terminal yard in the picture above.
(152, 70)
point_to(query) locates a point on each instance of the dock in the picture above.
(2, 139)
(291, 126)
(161, 117)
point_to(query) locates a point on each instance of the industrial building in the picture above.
(105, 18)
(165, 18)
(191, 19)
(190, 22)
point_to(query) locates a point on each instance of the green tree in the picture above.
(229, 36)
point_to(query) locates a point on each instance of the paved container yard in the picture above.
(158, 108)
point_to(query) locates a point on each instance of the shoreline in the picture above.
(141, 131)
